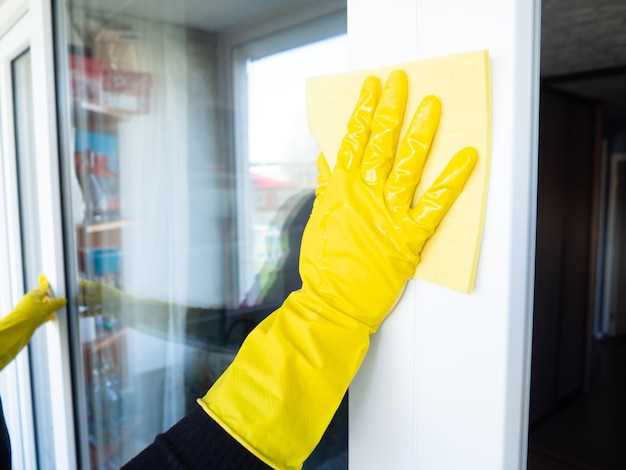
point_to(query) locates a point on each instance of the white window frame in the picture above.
(27, 26)
(10, 12)
(446, 382)
(15, 383)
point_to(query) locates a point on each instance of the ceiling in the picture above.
(580, 41)
(582, 35)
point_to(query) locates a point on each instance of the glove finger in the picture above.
(436, 201)
(412, 153)
(359, 126)
(42, 288)
(323, 177)
(386, 124)
(54, 304)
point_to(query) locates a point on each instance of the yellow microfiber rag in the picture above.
(461, 82)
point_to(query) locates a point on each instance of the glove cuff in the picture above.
(288, 379)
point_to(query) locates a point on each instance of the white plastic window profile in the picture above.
(30, 132)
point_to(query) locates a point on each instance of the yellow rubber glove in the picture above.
(16, 329)
(359, 249)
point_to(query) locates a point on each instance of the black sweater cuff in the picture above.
(195, 442)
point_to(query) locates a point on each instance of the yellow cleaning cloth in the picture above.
(461, 82)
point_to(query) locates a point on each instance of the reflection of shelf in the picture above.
(97, 108)
(103, 234)
(112, 340)
(104, 226)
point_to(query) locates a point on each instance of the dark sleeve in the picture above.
(5, 442)
(195, 442)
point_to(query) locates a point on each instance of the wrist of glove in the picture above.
(361, 245)
(288, 379)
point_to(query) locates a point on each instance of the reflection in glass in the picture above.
(281, 156)
(187, 209)
(26, 170)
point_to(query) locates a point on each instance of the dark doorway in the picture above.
(578, 384)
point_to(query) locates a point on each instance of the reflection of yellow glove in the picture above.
(101, 298)
(360, 247)
(16, 329)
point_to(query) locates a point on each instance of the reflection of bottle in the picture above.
(81, 160)
(100, 202)
(95, 196)
(105, 404)
(78, 197)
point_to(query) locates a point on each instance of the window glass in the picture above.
(27, 175)
(281, 157)
(189, 173)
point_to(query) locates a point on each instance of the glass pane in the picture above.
(190, 175)
(30, 237)
(27, 176)
(281, 156)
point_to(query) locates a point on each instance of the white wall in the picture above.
(445, 384)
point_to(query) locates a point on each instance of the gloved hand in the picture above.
(360, 247)
(99, 297)
(146, 314)
(16, 329)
